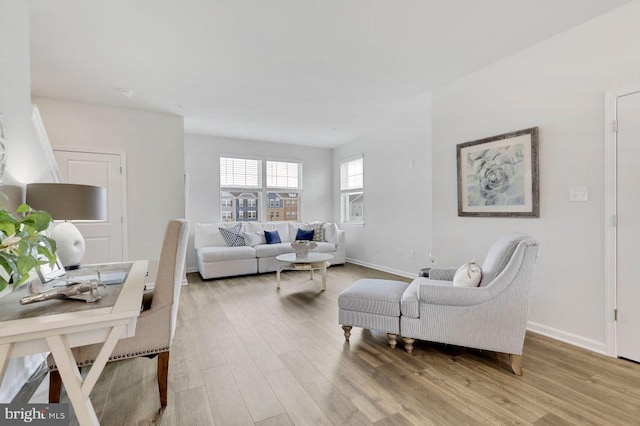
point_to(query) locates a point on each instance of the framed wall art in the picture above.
(498, 176)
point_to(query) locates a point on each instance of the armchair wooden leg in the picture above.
(163, 376)
(408, 343)
(55, 386)
(393, 340)
(516, 364)
(347, 332)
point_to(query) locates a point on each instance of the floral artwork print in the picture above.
(497, 176)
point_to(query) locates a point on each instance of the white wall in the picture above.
(202, 162)
(558, 85)
(397, 193)
(154, 148)
(26, 161)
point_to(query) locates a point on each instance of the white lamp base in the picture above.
(70, 244)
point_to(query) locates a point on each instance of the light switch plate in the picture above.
(579, 194)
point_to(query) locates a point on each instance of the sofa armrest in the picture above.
(443, 293)
(442, 274)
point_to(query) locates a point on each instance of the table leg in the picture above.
(311, 270)
(78, 390)
(5, 356)
(324, 275)
(278, 276)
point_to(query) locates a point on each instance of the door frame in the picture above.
(123, 187)
(611, 211)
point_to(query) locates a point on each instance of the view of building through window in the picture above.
(242, 193)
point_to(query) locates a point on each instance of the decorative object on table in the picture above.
(87, 291)
(498, 176)
(67, 202)
(23, 244)
(302, 247)
(3, 149)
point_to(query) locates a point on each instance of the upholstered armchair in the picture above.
(492, 316)
(156, 325)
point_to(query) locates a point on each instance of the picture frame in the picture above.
(48, 273)
(498, 176)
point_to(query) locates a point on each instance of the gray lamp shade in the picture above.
(67, 201)
(13, 197)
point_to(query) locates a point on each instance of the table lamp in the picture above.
(67, 202)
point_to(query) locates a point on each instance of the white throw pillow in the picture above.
(254, 238)
(331, 233)
(468, 275)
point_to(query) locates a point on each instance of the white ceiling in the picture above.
(306, 72)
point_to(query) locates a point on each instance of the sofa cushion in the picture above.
(294, 227)
(233, 236)
(331, 233)
(254, 238)
(272, 250)
(273, 237)
(324, 248)
(374, 296)
(318, 231)
(468, 275)
(304, 235)
(281, 227)
(218, 254)
(207, 235)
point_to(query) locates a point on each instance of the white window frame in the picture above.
(351, 182)
(266, 183)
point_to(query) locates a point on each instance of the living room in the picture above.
(557, 83)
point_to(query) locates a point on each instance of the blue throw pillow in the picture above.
(272, 237)
(303, 234)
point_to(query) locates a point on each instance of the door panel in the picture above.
(628, 233)
(104, 240)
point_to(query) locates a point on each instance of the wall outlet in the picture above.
(411, 253)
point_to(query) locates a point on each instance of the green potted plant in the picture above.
(23, 244)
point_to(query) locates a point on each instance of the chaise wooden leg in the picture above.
(408, 343)
(393, 340)
(347, 332)
(163, 377)
(55, 386)
(516, 364)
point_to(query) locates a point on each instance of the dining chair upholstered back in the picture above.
(156, 326)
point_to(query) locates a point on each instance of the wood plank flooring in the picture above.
(245, 353)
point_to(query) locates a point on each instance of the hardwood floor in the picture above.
(245, 353)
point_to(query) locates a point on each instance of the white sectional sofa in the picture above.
(216, 260)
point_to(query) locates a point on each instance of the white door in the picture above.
(628, 234)
(104, 240)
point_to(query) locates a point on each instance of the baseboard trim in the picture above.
(191, 269)
(572, 339)
(381, 268)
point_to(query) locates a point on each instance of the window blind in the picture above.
(284, 175)
(240, 173)
(351, 174)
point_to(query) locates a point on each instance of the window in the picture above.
(242, 191)
(240, 180)
(284, 187)
(352, 190)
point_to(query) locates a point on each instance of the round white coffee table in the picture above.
(315, 261)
